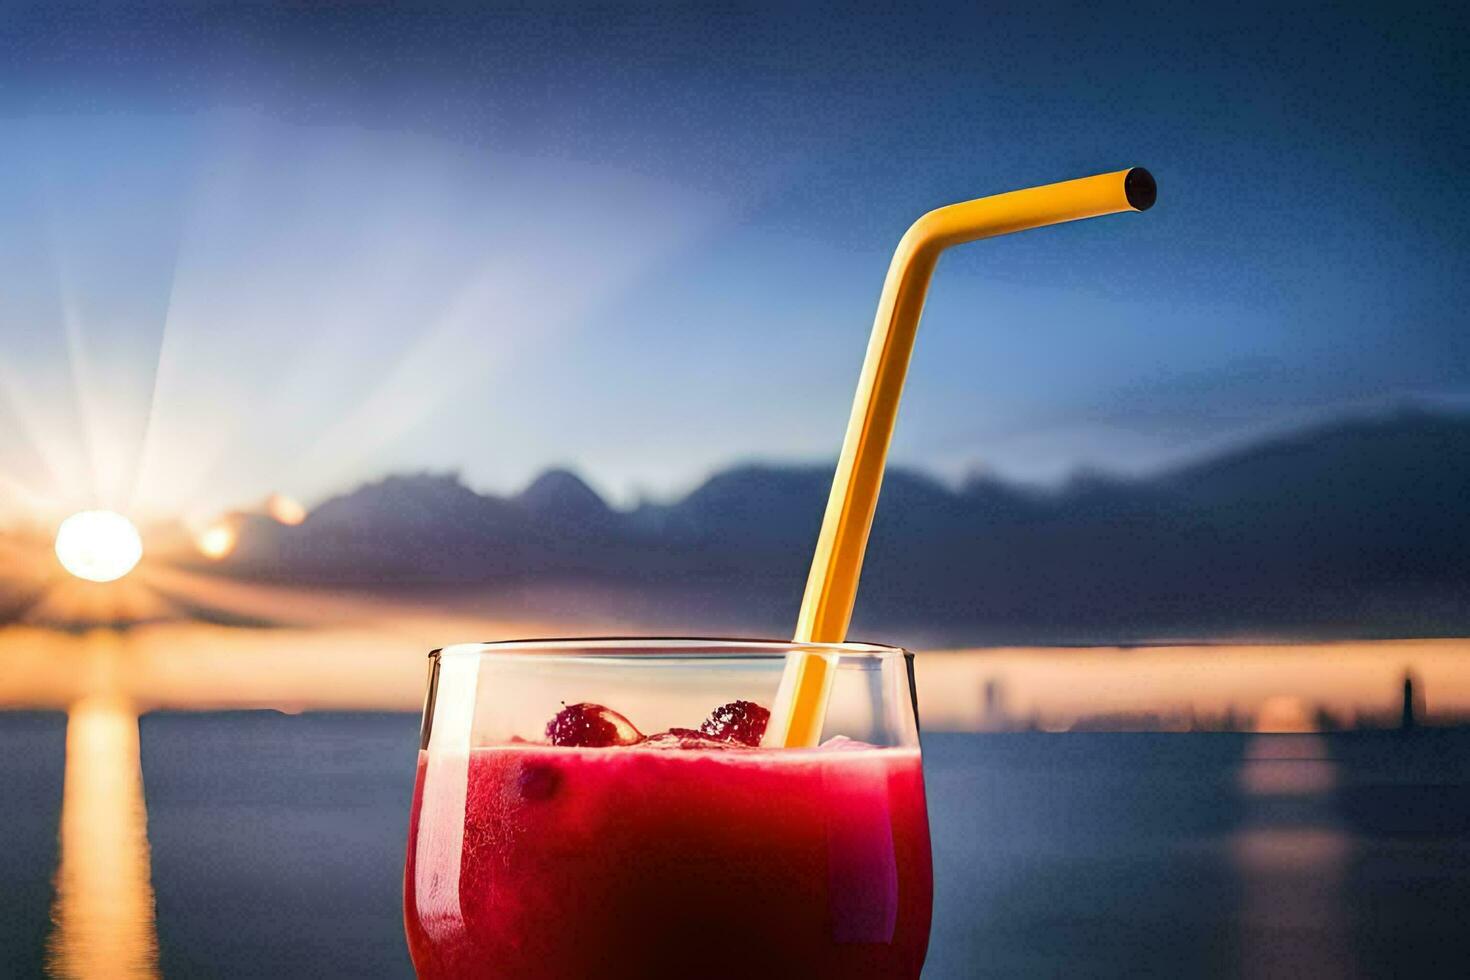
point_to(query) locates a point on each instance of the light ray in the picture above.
(453, 274)
(308, 323)
(111, 247)
(58, 454)
(152, 410)
(25, 433)
(81, 391)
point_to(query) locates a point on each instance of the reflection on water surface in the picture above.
(103, 913)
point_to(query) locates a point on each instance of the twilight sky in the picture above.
(290, 249)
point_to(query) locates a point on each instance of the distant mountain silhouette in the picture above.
(1360, 527)
(563, 498)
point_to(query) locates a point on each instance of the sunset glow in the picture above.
(98, 545)
(285, 510)
(218, 541)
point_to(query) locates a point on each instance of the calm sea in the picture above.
(275, 846)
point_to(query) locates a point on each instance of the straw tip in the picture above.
(1140, 189)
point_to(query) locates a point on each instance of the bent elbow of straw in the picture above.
(1034, 207)
(837, 563)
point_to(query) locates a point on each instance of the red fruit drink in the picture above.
(642, 862)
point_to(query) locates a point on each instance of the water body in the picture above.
(275, 844)
(32, 760)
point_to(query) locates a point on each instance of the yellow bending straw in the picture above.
(832, 584)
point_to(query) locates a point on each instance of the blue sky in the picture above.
(285, 248)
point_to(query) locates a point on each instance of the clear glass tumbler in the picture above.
(602, 808)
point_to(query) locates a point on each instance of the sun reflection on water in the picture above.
(1292, 856)
(103, 913)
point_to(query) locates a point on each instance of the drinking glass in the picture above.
(682, 854)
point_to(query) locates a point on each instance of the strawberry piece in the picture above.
(591, 726)
(739, 721)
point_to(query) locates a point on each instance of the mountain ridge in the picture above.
(1357, 525)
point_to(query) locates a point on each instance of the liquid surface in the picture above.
(540, 862)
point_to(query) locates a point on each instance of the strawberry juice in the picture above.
(677, 856)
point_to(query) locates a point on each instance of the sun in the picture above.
(98, 545)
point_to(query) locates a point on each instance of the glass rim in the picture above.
(637, 648)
